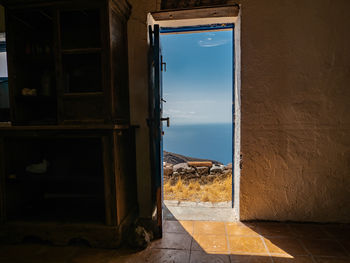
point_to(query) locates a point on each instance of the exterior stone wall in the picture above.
(191, 173)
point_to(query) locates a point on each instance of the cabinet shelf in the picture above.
(53, 179)
(81, 51)
(35, 99)
(83, 94)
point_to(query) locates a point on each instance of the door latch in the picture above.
(167, 121)
(162, 64)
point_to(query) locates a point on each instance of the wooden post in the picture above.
(2, 181)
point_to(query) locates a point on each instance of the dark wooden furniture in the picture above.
(74, 55)
(68, 83)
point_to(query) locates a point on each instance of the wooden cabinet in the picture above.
(68, 62)
(88, 186)
(69, 103)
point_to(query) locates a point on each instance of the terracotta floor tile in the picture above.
(202, 257)
(323, 247)
(246, 245)
(308, 231)
(234, 229)
(173, 241)
(296, 259)
(92, 255)
(331, 260)
(16, 253)
(346, 244)
(337, 231)
(210, 243)
(206, 228)
(178, 227)
(250, 259)
(288, 246)
(168, 255)
(154, 256)
(273, 230)
(129, 256)
(52, 254)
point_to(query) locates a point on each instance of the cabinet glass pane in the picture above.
(80, 29)
(33, 55)
(82, 73)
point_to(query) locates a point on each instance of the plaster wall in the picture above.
(295, 108)
(138, 83)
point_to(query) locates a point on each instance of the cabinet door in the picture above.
(82, 64)
(32, 68)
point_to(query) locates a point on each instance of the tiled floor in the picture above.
(185, 210)
(199, 241)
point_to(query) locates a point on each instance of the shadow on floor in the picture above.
(206, 241)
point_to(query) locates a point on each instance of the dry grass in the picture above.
(219, 190)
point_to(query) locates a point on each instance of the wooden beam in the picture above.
(226, 11)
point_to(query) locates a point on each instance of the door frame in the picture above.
(210, 16)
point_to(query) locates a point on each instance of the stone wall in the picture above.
(189, 172)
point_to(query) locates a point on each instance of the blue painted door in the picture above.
(155, 120)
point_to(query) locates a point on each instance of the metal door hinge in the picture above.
(241, 162)
(162, 64)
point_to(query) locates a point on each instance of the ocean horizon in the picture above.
(207, 141)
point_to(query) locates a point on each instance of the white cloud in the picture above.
(210, 42)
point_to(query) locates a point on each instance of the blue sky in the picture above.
(198, 83)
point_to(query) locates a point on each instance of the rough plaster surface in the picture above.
(138, 81)
(295, 108)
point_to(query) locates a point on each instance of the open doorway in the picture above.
(197, 97)
(170, 22)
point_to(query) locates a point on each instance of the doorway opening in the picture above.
(197, 97)
(199, 20)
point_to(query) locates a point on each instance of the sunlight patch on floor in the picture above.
(234, 238)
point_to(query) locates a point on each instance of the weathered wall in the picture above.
(138, 81)
(295, 108)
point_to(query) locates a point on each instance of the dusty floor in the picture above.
(201, 241)
(205, 211)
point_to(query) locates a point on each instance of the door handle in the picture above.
(167, 121)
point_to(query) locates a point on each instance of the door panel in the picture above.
(154, 122)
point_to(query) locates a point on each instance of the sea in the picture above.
(208, 141)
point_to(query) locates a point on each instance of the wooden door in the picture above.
(155, 119)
